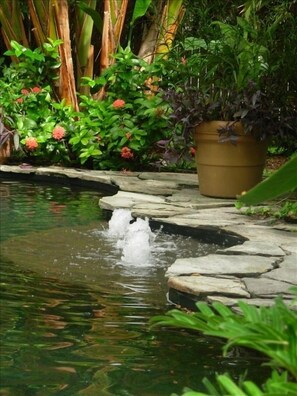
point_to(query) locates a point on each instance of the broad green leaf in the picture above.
(29, 124)
(194, 43)
(283, 181)
(93, 14)
(140, 9)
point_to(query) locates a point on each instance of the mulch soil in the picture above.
(274, 162)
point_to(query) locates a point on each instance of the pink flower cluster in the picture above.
(119, 103)
(58, 132)
(26, 92)
(127, 153)
(31, 143)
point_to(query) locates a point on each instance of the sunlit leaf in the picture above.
(282, 181)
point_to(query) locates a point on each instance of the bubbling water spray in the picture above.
(134, 238)
(119, 223)
(137, 243)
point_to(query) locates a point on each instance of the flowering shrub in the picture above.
(122, 130)
(43, 125)
(41, 122)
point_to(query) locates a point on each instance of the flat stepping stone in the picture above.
(290, 247)
(255, 231)
(216, 217)
(193, 197)
(25, 169)
(265, 287)
(183, 179)
(152, 210)
(287, 271)
(126, 200)
(258, 302)
(219, 264)
(208, 285)
(151, 187)
(254, 248)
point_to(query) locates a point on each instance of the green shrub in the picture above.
(121, 131)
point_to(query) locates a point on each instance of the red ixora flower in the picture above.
(31, 143)
(19, 100)
(119, 103)
(25, 91)
(192, 151)
(126, 153)
(36, 90)
(58, 132)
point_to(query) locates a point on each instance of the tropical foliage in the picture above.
(271, 331)
(118, 132)
(281, 182)
(112, 22)
(122, 130)
(177, 62)
(235, 72)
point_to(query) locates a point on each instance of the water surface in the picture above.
(74, 317)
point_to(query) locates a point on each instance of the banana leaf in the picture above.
(283, 181)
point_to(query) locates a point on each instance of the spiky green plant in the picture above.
(269, 330)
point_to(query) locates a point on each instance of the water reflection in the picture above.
(74, 317)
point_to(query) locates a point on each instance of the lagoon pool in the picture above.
(74, 316)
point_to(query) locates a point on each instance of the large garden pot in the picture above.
(226, 169)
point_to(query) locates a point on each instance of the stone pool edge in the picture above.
(258, 263)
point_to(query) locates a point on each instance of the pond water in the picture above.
(74, 315)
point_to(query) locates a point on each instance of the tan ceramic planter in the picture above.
(226, 170)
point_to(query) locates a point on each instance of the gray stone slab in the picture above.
(258, 302)
(265, 287)
(158, 209)
(218, 217)
(126, 200)
(215, 264)
(151, 187)
(255, 248)
(208, 285)
(286, 227)
(193, 199)
(253, 231)
(183, 179)
(287, 271)
(290, 247)
(289, 261)
(17, 169)
(96, 176)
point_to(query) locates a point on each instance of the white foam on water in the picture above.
(134, 239)
(119, 222)
(137, 244)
